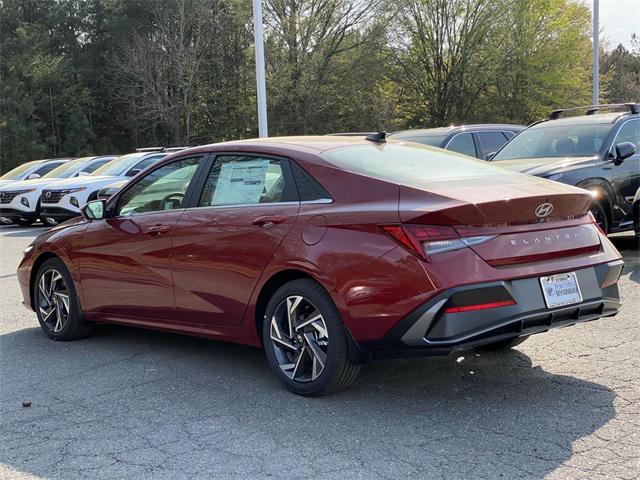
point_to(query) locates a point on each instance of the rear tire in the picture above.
(309, 356)
(502, 344)
(56, 303)
(23, 222)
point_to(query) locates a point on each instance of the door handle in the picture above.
(157, 229)
(269, 220)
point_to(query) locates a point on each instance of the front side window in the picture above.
(19, 171)
(630, 132)
(463, 143)
(148, 161)
(47, 167)
(246, 180)
(162, 189)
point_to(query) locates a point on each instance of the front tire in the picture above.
(23, 222)
(305, 341)
(600, 215)
(56, 303)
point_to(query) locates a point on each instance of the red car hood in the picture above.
(484, 202)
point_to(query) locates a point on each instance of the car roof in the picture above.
(457, 128)
(309, 143)
(602, 118)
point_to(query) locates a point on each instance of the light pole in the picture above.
(596, 52)
(258, 33)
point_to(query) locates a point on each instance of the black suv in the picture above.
(478, 141)
(598, 151)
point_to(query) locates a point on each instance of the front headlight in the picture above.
(74, 190)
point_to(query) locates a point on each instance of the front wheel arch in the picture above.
(34, 272)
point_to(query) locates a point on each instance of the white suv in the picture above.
(20, 201)
(31, 170)
(63, 200)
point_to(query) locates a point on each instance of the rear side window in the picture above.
(47, 167)
(308, 188)
(94, 165)
(247, 180)
(463, 143)
(491, 141)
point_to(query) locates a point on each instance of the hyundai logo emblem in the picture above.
(544, 210)
(48, 194)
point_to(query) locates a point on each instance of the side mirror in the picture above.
(82, 174)
(134, 172)
(489, 156)
(94, 210)
(623, 150)
(33, 176)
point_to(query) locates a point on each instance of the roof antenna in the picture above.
(380, 137)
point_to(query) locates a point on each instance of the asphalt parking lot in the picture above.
(128, 403)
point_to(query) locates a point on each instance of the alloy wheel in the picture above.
(300, 339)
(53, 300)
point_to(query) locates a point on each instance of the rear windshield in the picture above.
(433, 140)
(17, 172)
(549, 140)
(416, 165)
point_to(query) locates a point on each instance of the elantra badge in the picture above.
(544, 210)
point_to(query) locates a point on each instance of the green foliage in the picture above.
(104, 76)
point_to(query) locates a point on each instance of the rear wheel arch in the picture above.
(34, 272)
(605, 194)
(270, 287)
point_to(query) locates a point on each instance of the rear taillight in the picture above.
(425, 240)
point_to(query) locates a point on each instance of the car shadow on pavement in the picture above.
(628, 247)
(128, 403)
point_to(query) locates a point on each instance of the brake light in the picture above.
(479, 306)
(425, 240)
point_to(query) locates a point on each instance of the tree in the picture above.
(440, 48)
(621, 71)
(317, 50)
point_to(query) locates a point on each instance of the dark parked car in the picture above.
(478, 141)
(636, 214)
(327, 252)
(597, 151)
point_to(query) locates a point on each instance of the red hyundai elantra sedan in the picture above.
(327, 252)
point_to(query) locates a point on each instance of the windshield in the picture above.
(417, 165)
(119, 166)
(544, 141)
(17, 172)
(69, 169)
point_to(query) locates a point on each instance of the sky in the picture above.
(618, 20)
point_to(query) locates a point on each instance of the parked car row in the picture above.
(55, 190)
(597, 151)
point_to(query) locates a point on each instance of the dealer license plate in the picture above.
(561, 289)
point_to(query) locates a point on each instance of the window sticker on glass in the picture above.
(241, 182)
